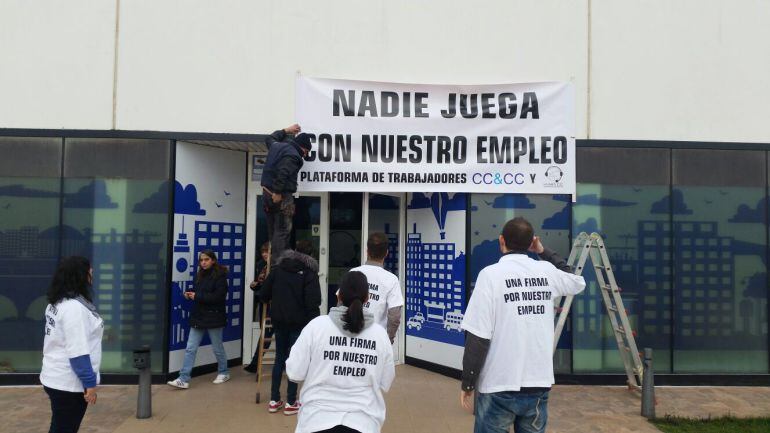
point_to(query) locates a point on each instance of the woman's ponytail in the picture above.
(354, 291)
(354, 317)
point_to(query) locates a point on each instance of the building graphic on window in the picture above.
(704, 293)
(128, 276)
(435, 290)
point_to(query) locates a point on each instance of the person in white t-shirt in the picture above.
(346, 362)
(385, 299)
(509, 326)
(72, 347)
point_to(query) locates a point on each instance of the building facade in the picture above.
(106, 126)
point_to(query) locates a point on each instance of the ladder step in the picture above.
(620, 330)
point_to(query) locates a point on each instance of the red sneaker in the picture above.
(274, 406)
(292, 409)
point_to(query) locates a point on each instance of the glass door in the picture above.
(311, 222)
(385, 212)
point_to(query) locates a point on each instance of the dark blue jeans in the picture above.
(284, 339)
(67, 410)
(526, 411)
(279, 223)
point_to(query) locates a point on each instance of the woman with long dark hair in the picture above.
(208, 316)
(346, 362)
(72, 348)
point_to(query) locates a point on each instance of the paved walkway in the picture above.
(420, 402)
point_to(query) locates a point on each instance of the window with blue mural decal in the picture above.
(115, 212)
(620, 192)
(719, 227)
(435, 266)
(30, 198)
(550, 218)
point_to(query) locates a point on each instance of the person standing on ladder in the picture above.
(509, 326)
(279, 181)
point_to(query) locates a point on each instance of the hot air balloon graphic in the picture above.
(441, 204)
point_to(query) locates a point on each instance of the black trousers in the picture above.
(339, 429)
(67, 410)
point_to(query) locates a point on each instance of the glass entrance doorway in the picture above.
(385, 212)
(338, 224)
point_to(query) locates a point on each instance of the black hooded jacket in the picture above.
(284, 160)
(209, 305)
(293, 288)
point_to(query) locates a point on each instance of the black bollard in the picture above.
(144, 394)
(648, 386)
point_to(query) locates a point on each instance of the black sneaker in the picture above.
(251, 368)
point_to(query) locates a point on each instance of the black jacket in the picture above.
(293, 288)
(209, 304)
(284, 160)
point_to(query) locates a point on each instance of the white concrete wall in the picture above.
(675, 70)
(231, 66)
(681, 70)
(56, 64)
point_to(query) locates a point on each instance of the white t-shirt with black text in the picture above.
(345, 375)
(71, 330)
(513, 306)
(384, 292)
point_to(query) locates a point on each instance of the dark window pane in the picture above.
(720, 261)
(344, 237)
(30, 156)
(623, 166)
(29, 245)
(623, 203)
(116, 158)
(115, 212)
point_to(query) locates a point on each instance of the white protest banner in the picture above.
(371, 136)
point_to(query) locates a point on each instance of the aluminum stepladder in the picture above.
(592, 247)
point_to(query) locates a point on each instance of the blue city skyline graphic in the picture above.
(128, 269)
(195, 235)
(435, 273)
(679, 281)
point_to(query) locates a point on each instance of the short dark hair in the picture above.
(377, 245)
(518, 234)
(305, 246)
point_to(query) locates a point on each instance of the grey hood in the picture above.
(336, 314)
(293, 261)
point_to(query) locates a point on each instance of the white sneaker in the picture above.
(178, 383)
(221, 378)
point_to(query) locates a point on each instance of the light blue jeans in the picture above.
(527, 412)
(194, 341)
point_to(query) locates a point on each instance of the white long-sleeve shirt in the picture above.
(345, 375)
(71, 330)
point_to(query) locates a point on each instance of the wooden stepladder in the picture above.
(592, 247)
(262, 355)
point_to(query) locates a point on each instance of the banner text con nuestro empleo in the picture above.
(420, 149)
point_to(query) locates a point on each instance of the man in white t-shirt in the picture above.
(509, 326)
(385, 299)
